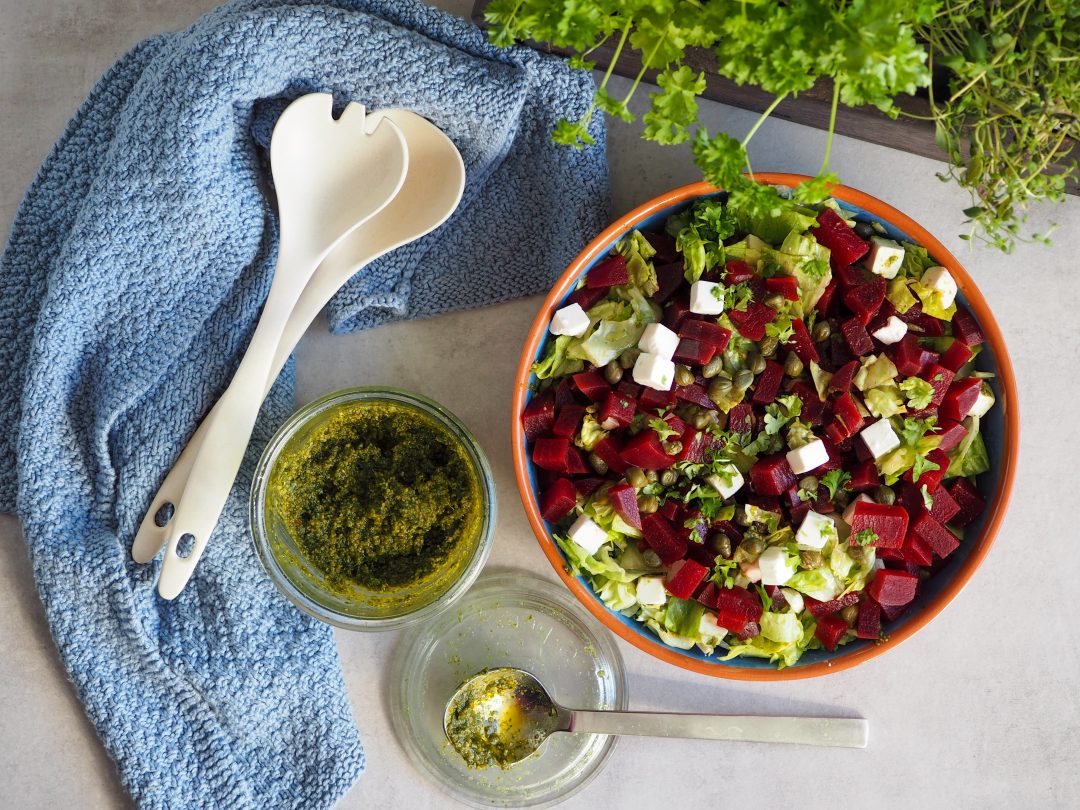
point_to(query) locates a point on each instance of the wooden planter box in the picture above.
(810, 107)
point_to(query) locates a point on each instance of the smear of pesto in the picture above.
(379, 495)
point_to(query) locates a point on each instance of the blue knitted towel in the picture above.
(130, 284)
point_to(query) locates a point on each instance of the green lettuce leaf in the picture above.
(773, 226)
(782, 627)
(637, 251)
(821, 379)
(932, 302)
(885, 401)
(969, 458)
(820, 583)
(899, 294)
(783, 654)
(875, 372)
(556, 363)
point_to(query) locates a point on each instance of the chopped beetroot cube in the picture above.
(940, 539)
(787, 286)
(587, 486)
(557, 500)
(952, 433)
(907, 355)
(847, 413)
(751, 323)
(820, 609)
(864, 300)
(837, 434)
(592, 385)
(889, 523)
(707, 595)
(851, 276)
(672, 510)
(538, 417)
(569, 420)
(845, 246)
(608, 273)
(956, 355)
(864, 476)
(916, 551)
(856, 337)
(741, 418)
(550, 454)
(869, 622)
(733, 533)
(692, 352)
(675, 423)
(684, 577)
(927, 325)
(653, 400)
(801, 344)
(696, 395)
(664, 246)
(829, 631)
(940, 378)
(970, 501)
(966, 328)
(736, 272)
(813, 409)
(668, 279)
(772, 475)
(617, 411)
(839, 353)
(644, 450)
(698, 552)
(610, 451)
(736, 608)
(694, 444)
(841, 380)
(776, 593)
(894, 612)
(836, 460)
(629, 388)
(662, 538)
(892, 588)
(576, 463)
(677, 311)
(623, 499)
(960, 398)
(586, 297)
(931, 479)
(799, 511)
(706, 332)
(830, 296)
(945, 507)
(768, 383)
(565, 393)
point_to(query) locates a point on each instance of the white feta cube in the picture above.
(880, 438)
(654, 371)
(885, 257)
(659, 340)
(808, 457)
(706, 298)
(776, 566)
(727, 481)
(984, 403)
(864, 498)
(941, 280)
(816, 530)
(587, 534)
(570, 320)
(794, 600)
(709, 627)
(892, 332)
(651, 591)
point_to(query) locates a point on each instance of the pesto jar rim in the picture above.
(318, 602)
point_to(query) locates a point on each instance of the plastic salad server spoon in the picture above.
(330, 177)
(501, 716)
(431, 192)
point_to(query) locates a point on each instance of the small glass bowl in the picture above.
(359, 608)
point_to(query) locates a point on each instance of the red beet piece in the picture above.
(675, 423)
(893, 588)
(856, 337)
(787, 286)
(550, 454)
(653, 400)
(644, 450)
(737, 271)
(565, 393)
(668, 279)
(684, 578)
(966, 328)
(569, 420)
(772, 475)
(960, 398)
(820, 609)
(695, 394)
(768, 383)
(845, 246)
(672, 510)
(940, 378)
(630, 388)
(851, 277)
(576, 463)
(707, 595)
(617, 411)
(801, 344)
(737, 608)
(610, 450)
(813, 409)
(592, 385)
(970, 501)
(864, 476)
(557, 500)
(847, 414)
(694, 444)
(940, 539)
(751, 323)
(586, 297)
(864, 300)
(662, 538)
(889, 523)
(841, 380)
(869, 622)
(956, 355)
(741, 418)
(587, 486)
(916, 551)
(829, 630)
(623, 499)
(539, 415)
(828, 297)
(677, 311)
(945, 507)
(907, 355)
(608, 273)
(776, 593)
(838, 435)
(664, 246)
(952, 433)
(708, 333)
(692, 352)
(931, 479)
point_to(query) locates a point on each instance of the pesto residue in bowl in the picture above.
(379, 495)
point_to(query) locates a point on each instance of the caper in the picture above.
(741, 517)
(702, 419)
(720, 543)
(864, 230)
(821, 332)
(651, 558)
(753, 543)
(598, 464)
(810, 483)
(850, 614)
(613, 372)
(885, 495)
(757, 364)
(713, 367)
(793, 366)
(720, 390)
(768, 345)
(647, 504)
(683, 376)
(811, 559)
(841, 499)
(744, 379)
(668, 478)
(636, 477)
(673, 448)
(651, 476)
(628, 358)
(776, 300)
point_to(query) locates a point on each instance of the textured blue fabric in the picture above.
(131, 281)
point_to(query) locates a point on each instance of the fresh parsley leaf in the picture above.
(922, 465)
(833, 480)
(915, 429)
(781, 328)
(866, 537)
(918, 392)
(675, 109)
(807, 494)
(739, 296)
(663, 429)
(695, 525)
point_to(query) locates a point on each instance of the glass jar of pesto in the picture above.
(372, 508)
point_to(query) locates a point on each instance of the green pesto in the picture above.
(488, 723)
(377, 496)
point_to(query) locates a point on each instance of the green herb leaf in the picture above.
(663, 429)
(833, 480)
(866, 537)
(918, 392)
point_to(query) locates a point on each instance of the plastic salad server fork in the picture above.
(330, 177)
(431, 192)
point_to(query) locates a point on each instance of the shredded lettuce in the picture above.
(874, 372)
(637, 251)
(932, 302)
(616, 324)
(969, 457)
(590, 432)
(916, 260)
(556, 363)
(802, 256)
(699, 234)
(821, 379)
(900, 296)
(819, 583)
(783, 654)
(782, 627)
(773, 226)
(885, 401)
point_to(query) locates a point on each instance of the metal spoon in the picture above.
(501, 716)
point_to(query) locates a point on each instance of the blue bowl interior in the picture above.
(993, 431)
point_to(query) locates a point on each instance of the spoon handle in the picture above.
(819, 731)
